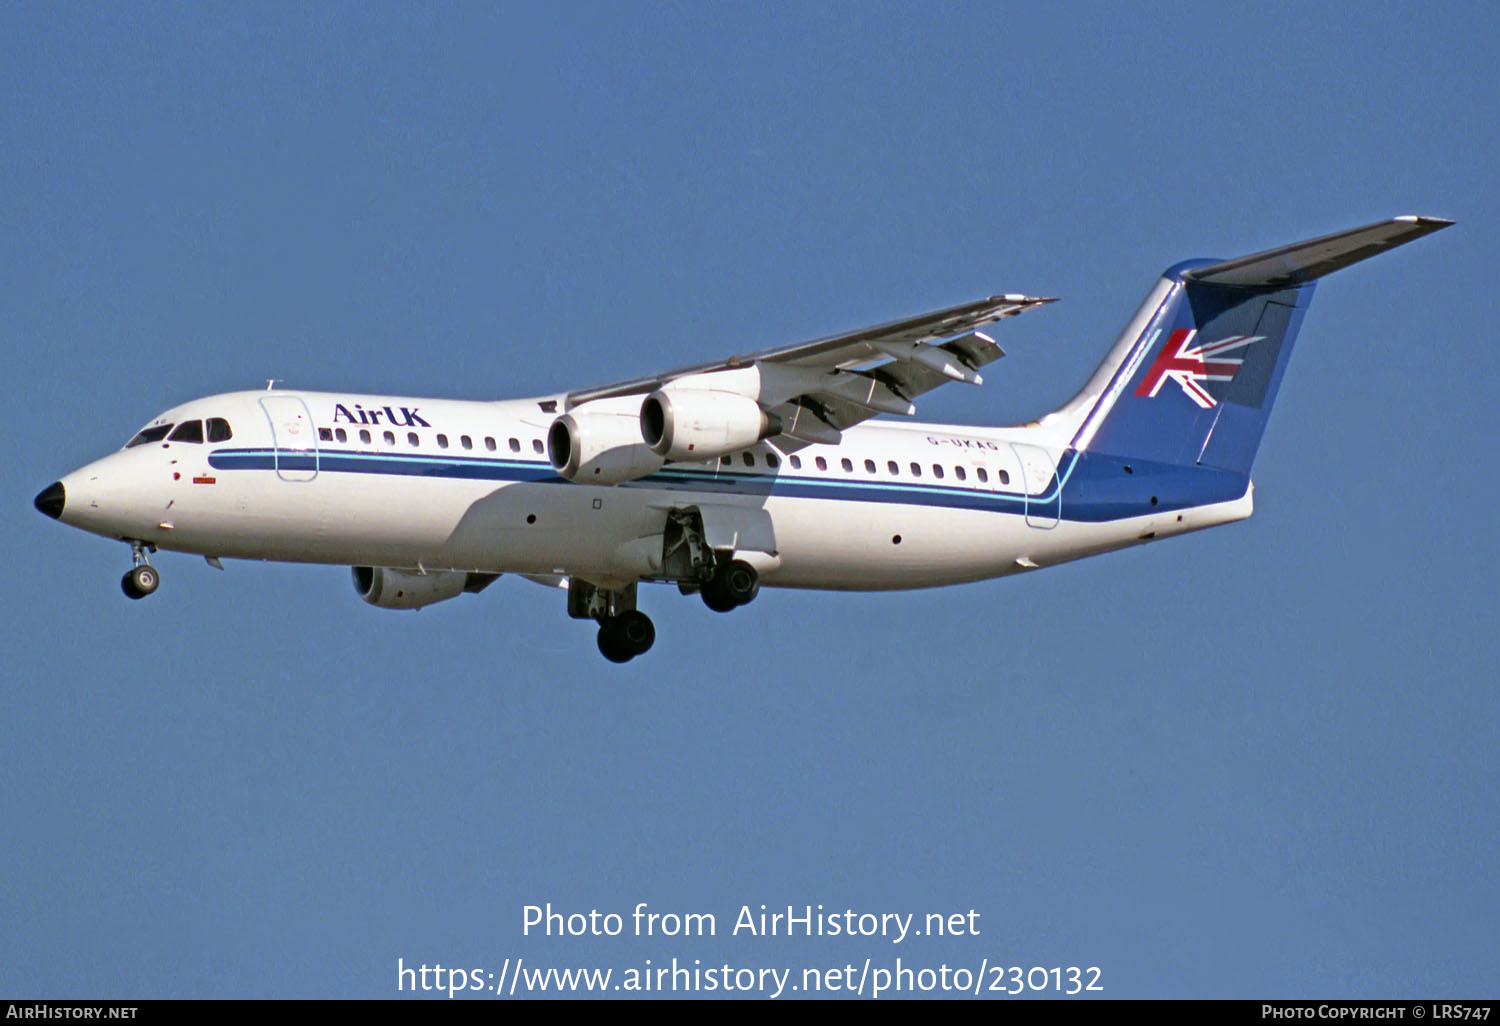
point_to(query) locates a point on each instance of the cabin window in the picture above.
(796, 462)
(218, 430)
(981, 473)
(466, 441)
(937, 470)
(390, 438)
(771, 460)
(869, 466)
(847, 464)
(958, 472)
(489, 443)
(338, 433)
(442, 441)
(515, 445)
(1003, 476)
(364, 436)
(188, 431)
(412, 439)
(916, 469)
(324, 434)
(893, 467)
(822, 463)
(537, 447)
(749, 459)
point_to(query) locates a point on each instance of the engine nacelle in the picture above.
(698, 424)
(601, 444)
(401, 589)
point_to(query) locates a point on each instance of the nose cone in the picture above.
(51, 500)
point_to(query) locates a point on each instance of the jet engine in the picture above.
(698, 424)
(600, 443)
(401, 589)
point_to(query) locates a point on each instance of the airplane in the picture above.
(763, 468)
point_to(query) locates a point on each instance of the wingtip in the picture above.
(1434, 222)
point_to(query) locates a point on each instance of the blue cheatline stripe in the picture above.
(479, 468)
(484, 468)
(399, 464)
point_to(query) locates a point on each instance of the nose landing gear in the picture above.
(142, 579)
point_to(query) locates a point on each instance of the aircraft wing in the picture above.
(849, 377)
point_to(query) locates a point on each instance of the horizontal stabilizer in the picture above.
(1303, 262)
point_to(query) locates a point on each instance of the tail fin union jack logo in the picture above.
(1190, 367)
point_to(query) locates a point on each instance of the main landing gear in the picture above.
(624, 631)
(623, 637)
(687, 558)
(142, 579)
(724, 582)
(732, 584)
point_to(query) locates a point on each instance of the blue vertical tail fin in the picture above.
(1192, 381)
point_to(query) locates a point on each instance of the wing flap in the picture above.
(911, 377)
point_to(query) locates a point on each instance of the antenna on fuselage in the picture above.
(271, 384)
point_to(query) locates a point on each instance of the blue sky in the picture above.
(1256, 761)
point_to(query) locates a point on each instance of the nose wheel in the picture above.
(142, 579)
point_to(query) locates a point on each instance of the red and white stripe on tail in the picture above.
(1188, 367)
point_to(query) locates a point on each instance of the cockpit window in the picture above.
(151, 434)
(218, 430)
(188, 431)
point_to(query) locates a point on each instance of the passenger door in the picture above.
(293, 435)
(1043, 492)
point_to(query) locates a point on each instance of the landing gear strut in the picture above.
(142, 579)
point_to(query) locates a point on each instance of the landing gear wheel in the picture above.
(636, 630)
(715, 598)
(623, 637)
(611, 647)
(741, 582)
(731, 586)
(141, 581)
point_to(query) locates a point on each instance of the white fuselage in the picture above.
(467, 486)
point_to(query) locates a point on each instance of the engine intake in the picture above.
(600, 446)
(692, 424)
